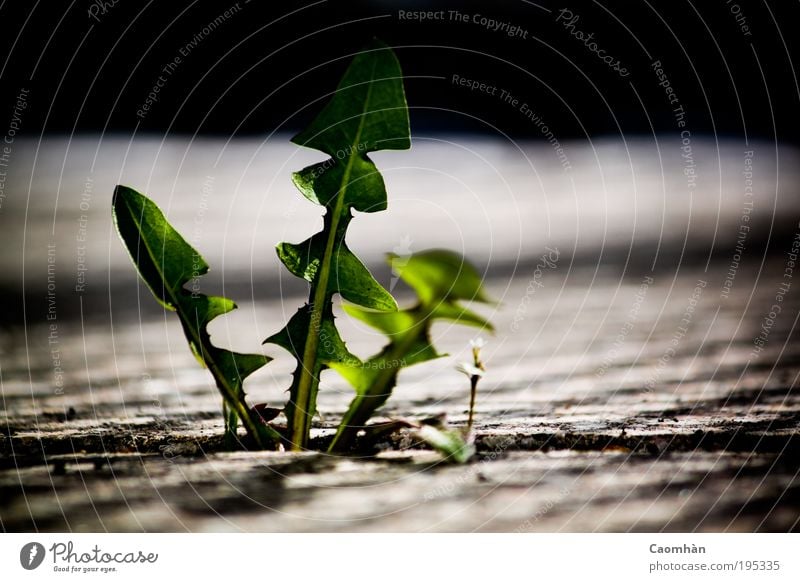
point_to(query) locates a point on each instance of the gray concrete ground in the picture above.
(579, 428)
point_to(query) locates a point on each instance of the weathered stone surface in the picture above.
(577, 429)
(410, 491)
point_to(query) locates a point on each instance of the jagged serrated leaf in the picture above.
(166, 263)
(366, 190)
(367, 113)
(349, 277)
(331, 346)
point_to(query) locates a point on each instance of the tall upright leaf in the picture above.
(166, 263)
(366, 113)
(440, 279)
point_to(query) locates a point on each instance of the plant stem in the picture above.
(473, 391)
(232, 398)
(352, 419)
(308, 385)
(231, 425)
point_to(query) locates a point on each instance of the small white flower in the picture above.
(477, 343)
(469, 369)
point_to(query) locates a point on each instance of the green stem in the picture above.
(231, 424)
(232, 397)
(308, 385)
(473, 391)
(263, 435)
(356, 416)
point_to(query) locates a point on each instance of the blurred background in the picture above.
(656, 138)
(633, 140)
(617, 133)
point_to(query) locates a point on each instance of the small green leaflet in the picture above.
(448, 442)
(367, 113)
(440, 279)
(166, 262)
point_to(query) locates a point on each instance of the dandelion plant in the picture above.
(441, 280)
(167, 263)
(366, 113)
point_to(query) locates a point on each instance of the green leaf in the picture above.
(331, 346)
(449, 443)
(438, 275)
(351, 279)
(166, 263)
(368, 110)
(440, 278)
(321, 183)
(367, 113)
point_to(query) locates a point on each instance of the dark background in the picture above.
(259, 70)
